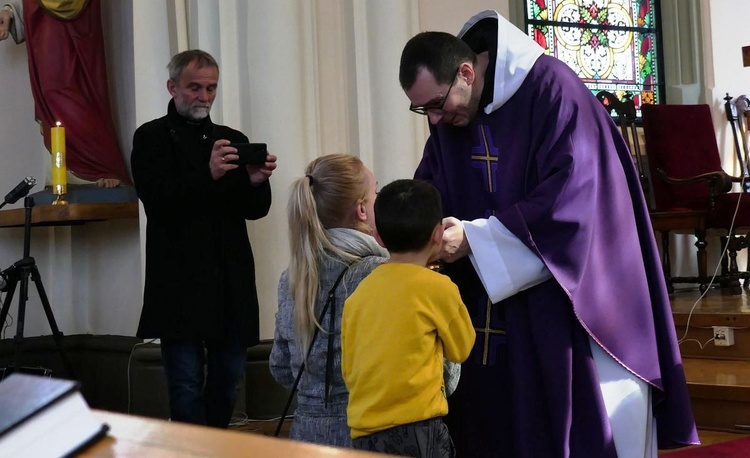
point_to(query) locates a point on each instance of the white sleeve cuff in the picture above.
(504, 264)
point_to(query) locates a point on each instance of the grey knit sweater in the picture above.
(314, 422)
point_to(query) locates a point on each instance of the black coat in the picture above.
(200, 274)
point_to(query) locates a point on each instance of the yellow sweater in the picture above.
(396, 327)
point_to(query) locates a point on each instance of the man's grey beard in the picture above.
(195, 113)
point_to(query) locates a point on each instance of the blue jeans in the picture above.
(190, 399)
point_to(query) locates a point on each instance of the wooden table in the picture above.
(144, 437)
(55, 215)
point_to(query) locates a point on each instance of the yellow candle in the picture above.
(59, 170)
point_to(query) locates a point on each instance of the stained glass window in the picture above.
(613, 45)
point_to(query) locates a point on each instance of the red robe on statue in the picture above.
(69, 82)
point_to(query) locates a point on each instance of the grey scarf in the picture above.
(355, 242)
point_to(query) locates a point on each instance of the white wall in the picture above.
(22, 151)
(727, 31)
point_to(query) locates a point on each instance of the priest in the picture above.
(551, 245)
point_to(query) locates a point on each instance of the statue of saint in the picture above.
(68, 77)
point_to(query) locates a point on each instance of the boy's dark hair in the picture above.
(439, 52)
(406, 213)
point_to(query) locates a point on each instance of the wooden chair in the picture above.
(626, 117)
(738, 112)
(687, 176)
(664, 221)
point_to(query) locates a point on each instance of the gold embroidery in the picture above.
(487, 160)
(487, 330)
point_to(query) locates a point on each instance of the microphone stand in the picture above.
(21, 190)
(20, 271)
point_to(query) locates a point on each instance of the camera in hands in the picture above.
(250, 153)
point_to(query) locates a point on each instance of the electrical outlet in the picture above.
(723, 336)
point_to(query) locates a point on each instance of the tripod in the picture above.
(20, 271)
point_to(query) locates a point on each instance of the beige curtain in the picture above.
(306, 77)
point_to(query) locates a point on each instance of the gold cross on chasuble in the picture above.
(488, 331)
(484, 157)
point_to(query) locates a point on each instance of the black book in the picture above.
(43, 416)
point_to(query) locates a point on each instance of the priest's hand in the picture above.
(455, 245)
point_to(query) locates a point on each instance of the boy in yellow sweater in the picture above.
(397, 327)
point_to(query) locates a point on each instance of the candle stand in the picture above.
(60, 200)
(20, 272)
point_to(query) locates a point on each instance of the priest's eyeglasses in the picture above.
(436, 107)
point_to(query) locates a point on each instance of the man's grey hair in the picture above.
(183, 59)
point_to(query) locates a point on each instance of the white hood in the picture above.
(516, 54)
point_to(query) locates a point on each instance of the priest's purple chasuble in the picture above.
(551, 166)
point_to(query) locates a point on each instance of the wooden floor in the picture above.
(268, 428)
(695, 315)
(685, 298)
(705, 364)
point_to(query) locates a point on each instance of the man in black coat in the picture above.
(200, 297)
